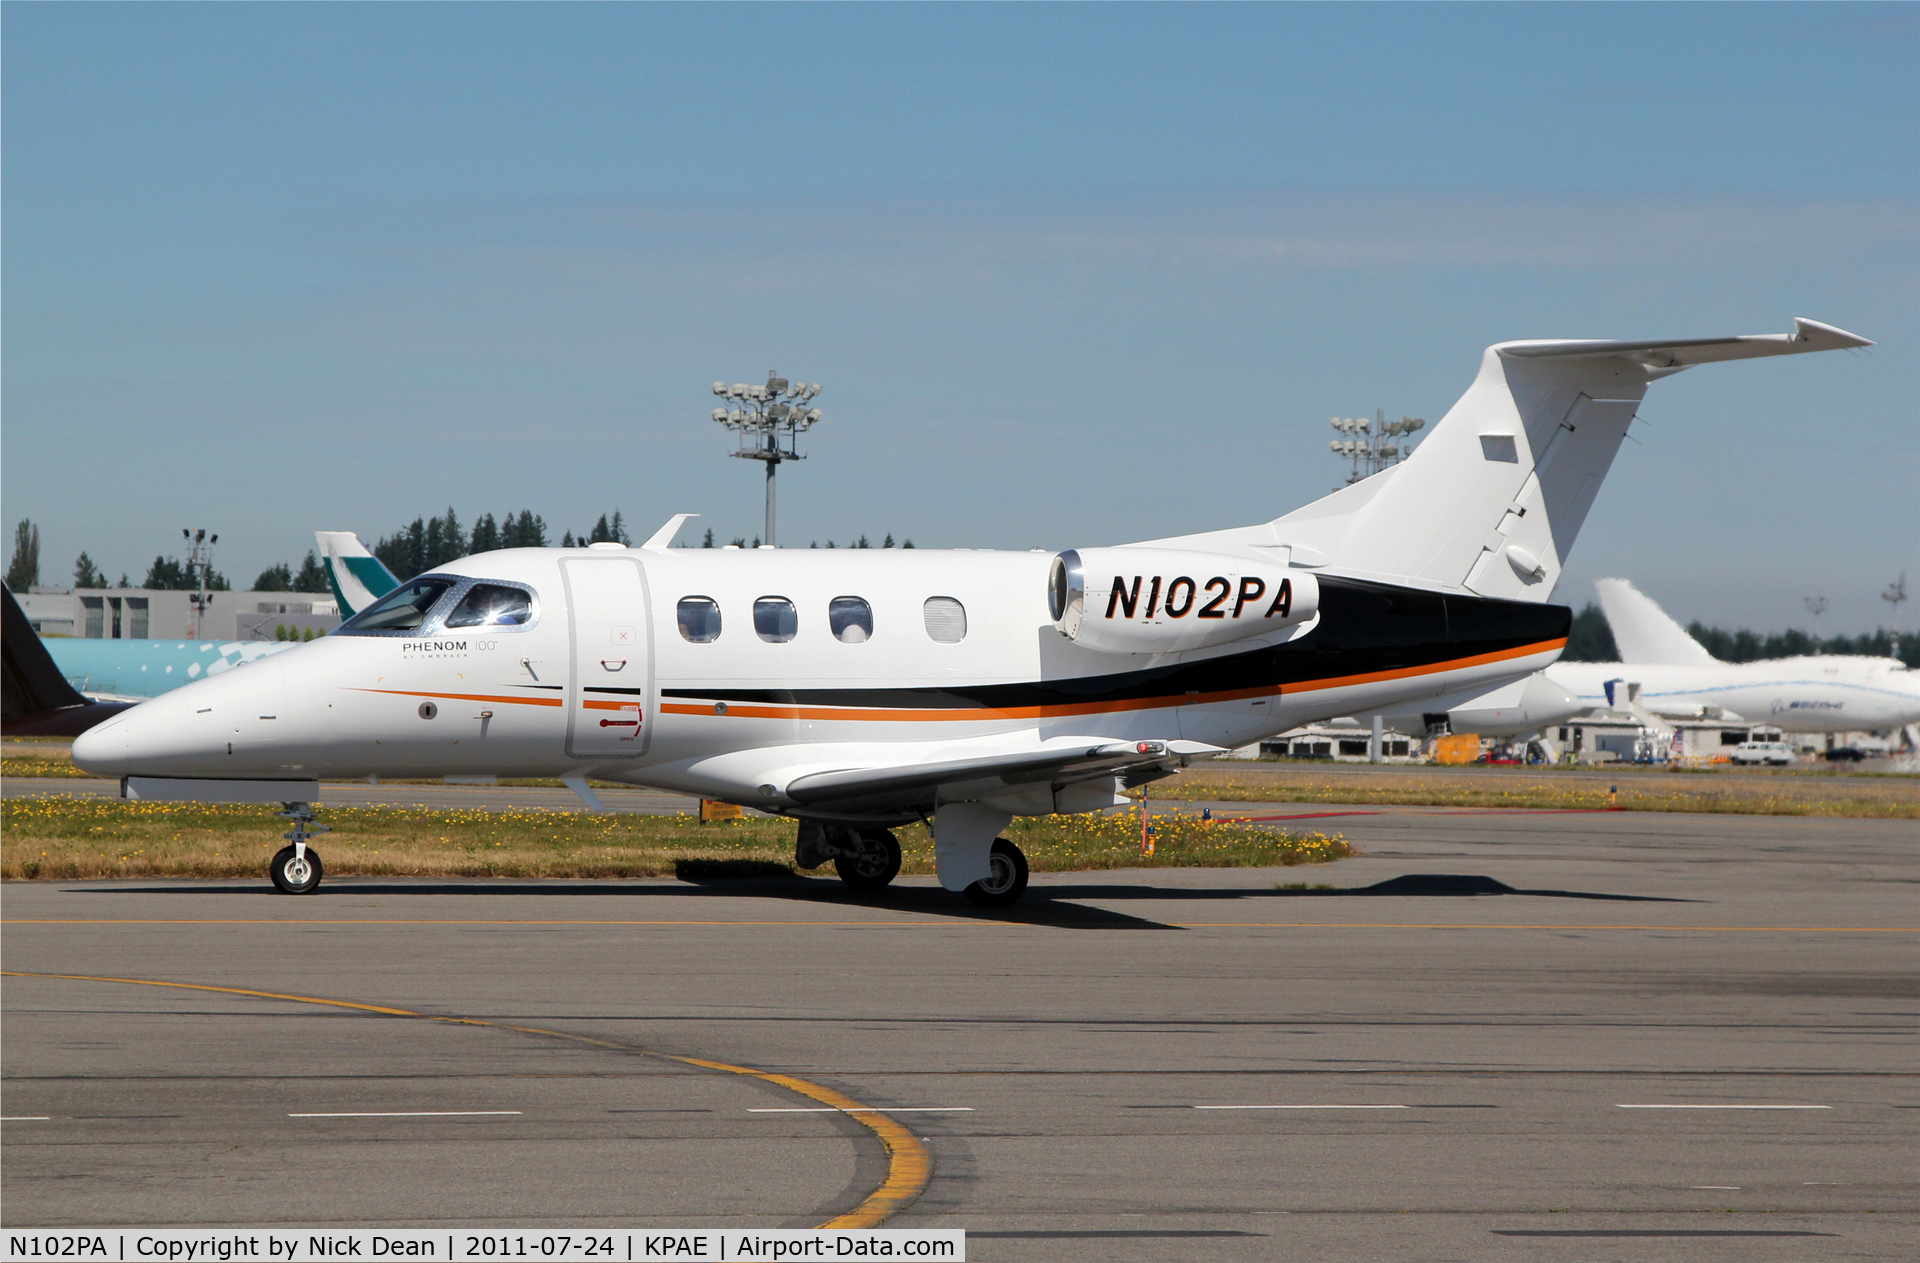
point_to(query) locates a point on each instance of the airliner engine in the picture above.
(1162, 600)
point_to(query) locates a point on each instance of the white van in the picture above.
(1778, 753)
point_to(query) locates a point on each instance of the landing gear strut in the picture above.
(1003, 886)
(296, 869)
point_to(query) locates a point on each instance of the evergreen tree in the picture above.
(312, 576)
(86, 574)
(888, 541)
(708, 541)
(863, 543)
(23, 572)
(275, 579)
(486, 535)
(123, 581)
(566, 540)
(908, 544)
(1590, 639)
(168, 575)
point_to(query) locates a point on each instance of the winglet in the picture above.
(663, 538)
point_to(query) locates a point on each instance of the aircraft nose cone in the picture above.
(102, 749)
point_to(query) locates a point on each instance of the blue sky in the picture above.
(1071, 274)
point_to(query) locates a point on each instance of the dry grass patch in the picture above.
(1735, 793)
(67, 837)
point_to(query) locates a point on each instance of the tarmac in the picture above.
(1500, 1035)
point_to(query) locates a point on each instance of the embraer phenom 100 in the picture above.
(860, 690)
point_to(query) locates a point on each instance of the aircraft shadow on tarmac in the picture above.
(1047, 904)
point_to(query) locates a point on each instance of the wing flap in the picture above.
(1076, 761)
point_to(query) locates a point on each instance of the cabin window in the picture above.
(851, 619)
(946, 619)
(699, 619)
(775, 620)
(401, 610)
(492, 605)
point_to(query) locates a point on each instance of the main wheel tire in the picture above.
(294, 875)
(1006, 883)
(876, 863)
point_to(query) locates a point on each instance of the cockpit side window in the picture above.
(402, 610)
(492, 605)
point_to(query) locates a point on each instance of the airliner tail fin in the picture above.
(357, 576)
(1643, 632)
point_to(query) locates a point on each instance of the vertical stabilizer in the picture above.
(1645, 633)
(357, 577)
(1492, 501)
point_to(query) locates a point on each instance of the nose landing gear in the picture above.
(296, 869)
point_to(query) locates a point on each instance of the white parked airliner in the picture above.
(1679, 679)
(856, 690)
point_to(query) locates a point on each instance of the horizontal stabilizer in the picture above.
(1807, 335)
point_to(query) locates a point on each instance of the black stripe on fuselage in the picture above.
(1364, 628)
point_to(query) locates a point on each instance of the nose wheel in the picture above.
(1005, 881)
(295, 869)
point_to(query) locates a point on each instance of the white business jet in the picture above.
(857, 690)
(1679, 679)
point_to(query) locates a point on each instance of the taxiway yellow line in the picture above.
(909, 1164)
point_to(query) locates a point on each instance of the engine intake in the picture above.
(1163, 600)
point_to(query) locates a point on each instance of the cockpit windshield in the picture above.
(492, 605)
(403, 609)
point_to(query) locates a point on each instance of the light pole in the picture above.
(767, 422)
(1370, 456)
(1896, 596)
(199, 562)
(1816, 605)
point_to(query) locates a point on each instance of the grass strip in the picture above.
(65, 837)
(1800, 796)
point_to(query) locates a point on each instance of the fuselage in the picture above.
(726, 672)
(1819, 694)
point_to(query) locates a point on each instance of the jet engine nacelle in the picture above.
(1163, 600)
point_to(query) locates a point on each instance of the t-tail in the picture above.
(1491, 503)
(357, 577)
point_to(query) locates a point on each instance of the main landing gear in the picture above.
(868, 859)
(296, 869)
(1003, 886)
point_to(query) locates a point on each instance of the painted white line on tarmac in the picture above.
(1726, 1188)
(1723, 1107)
(868, 1109)
(1302, 1107)
(27, 1118)
(411, 1114)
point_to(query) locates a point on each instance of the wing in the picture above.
(908, 788)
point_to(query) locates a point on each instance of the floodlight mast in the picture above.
(767, 422)
(1370, 456)
(199, 565)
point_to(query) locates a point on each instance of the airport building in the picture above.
(153, 614)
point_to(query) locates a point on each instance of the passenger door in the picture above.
(609, 704)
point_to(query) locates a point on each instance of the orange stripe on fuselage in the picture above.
(968, 715)
(470, 697)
